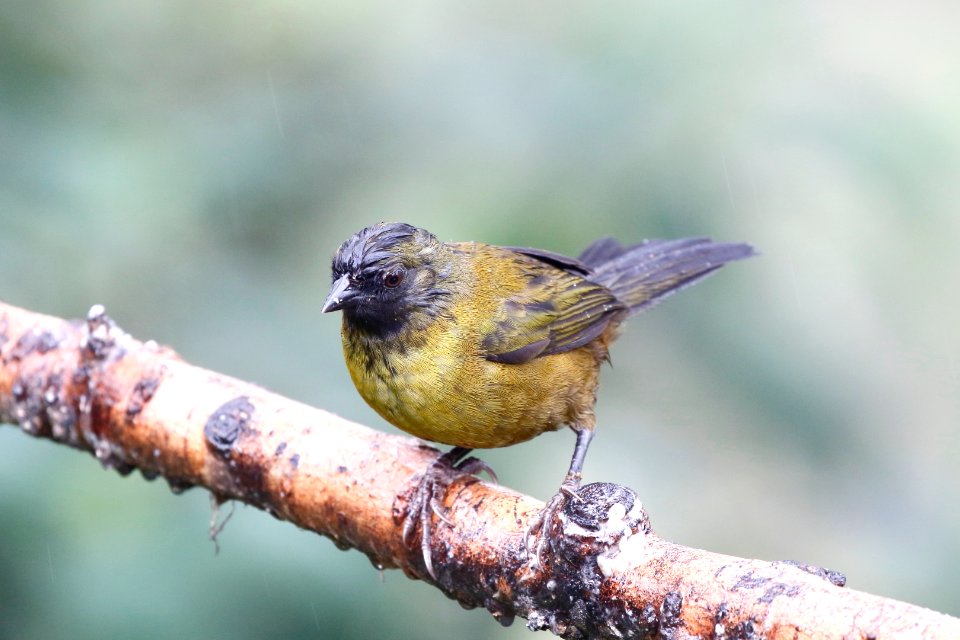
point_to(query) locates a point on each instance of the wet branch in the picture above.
(137, 405)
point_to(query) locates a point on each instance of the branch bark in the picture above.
(137, 405)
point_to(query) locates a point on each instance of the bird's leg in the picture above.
(536, 534)
(434, 482)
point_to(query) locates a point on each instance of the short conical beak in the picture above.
(340, 295)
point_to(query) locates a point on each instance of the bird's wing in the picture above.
(557, 310)
(558, 260)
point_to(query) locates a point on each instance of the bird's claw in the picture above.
(438, 511)
(424, 503)
(535, 537)
(570, 492)
(475, 466)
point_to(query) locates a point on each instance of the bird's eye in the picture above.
(393, 279)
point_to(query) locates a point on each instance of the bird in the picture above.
(481, 346)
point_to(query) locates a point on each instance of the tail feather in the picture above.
(600, 251)
(642, 275)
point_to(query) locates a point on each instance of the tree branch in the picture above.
(139, 406)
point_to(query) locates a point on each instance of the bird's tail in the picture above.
(642, 275)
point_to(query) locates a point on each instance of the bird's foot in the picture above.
(535, 538)
(433, 484)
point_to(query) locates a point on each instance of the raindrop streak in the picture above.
(276, 105)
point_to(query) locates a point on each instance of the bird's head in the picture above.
(389, 275)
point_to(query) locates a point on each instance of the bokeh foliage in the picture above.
(193, 165)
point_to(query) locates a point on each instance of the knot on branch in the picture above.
(99, 338)
(590, 541)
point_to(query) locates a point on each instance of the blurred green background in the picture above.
(193, 165)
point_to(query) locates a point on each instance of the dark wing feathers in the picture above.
(583, 320)
(557, 260)
(567, 303)
(558, 310)
(519, 355)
